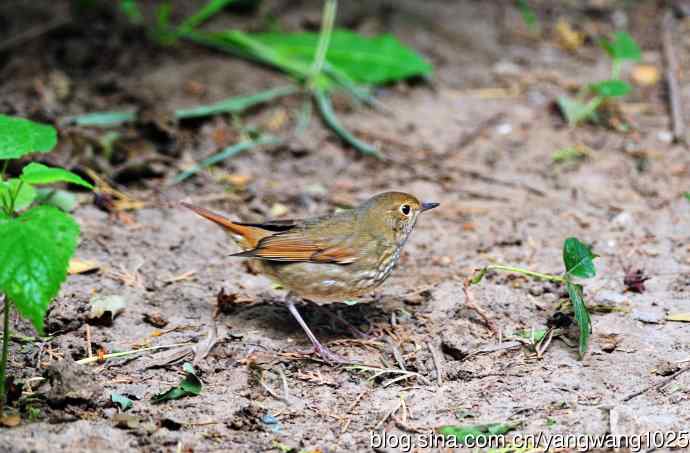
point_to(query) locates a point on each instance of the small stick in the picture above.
(672, 79)
(657, 386)
(437, 363)
(472, 305)
(88, 341)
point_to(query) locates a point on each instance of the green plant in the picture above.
(35, 243)
(319, 63)
(588, 102)
(578, 260)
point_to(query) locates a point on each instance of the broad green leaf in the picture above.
(528, 15)
(368, 60)
(611, 88)
(122, 401)
(575, 111)
(189, 386)
(34, 251)
(578, 259)
(686, 195)
(36, 173)
(24, 197)
(19, 136)
(581, 314)
(62, 199)
(622, 47)
(131, 9)
(473, 434)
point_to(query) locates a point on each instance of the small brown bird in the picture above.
(330, 258)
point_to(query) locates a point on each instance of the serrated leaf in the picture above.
(476, 434)
(122, 401)
(622, 47)
(36, 173)
(575, 111)
(611, 88)
(19, 136)
(34, 251)
(581, 314)
(25, 195)
(578, 259)
(189, 386)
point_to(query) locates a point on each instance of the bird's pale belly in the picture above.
(327, 283)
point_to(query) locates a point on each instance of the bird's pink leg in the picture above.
(319, 349)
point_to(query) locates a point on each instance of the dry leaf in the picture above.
(77, 266)
(568, 37)
(10, 421)
(680, 317)
(645, 75)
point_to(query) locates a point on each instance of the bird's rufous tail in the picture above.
(251, 235)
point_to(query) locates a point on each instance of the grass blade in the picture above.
(236, 104)
(328, 115)
(101, 119)
(211, 8)
(227, 153)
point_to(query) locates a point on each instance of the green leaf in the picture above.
(622, 47)
(122, 401)
(581, 314)
(534, 335)
(189, 386)
(474, 434)
(132, 11)
(34, 251)
(25, 196)
(578, 259)
(36, 173)
(323, 102)
(568, 153)
(611, 88)
(575, 112)
(61, 199)
(368, 60)
(19, 137)
(235, 104)
(528, 16)
(686, 195)
(211, 8)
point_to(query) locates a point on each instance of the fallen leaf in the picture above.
(645, 75)
(127, 421)
(10, 421)
(155, 319)
(105, 308)
(122, 401)
(634, 281)
(567, 36)
(78, 266)
(680, 317)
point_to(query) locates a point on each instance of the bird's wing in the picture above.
(315, 241)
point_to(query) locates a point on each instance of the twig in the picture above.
(126, 353)
(88, 340)
(436, 357)
(389, 414)
(658, 386)
(674, 95)
(472, 305)
(349, 411)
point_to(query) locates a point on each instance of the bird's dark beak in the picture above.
(426, 206)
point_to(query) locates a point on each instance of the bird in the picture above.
(329, 258)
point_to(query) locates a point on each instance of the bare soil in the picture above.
(479, 139)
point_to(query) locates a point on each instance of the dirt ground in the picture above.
(479, 139)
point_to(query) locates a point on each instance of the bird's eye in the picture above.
(405, 209)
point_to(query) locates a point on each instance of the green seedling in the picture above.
(472, 435)
(36, 241)
(319, 63)
(189, 386)
(528, 16)
(585, 107)
(579, 264)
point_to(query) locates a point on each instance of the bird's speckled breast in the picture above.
(325, 283)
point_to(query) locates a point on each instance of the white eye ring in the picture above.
(405, 209)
